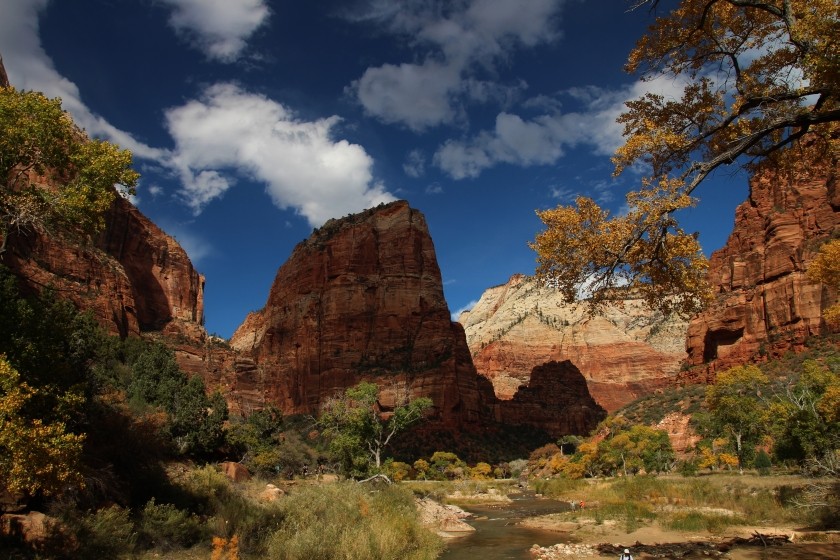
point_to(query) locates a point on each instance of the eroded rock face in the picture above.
(627, 352)
(682, 435)
(168, 291)
(764, 303)
(362, 299)
(133, 278)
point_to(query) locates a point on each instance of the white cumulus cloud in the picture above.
(30, 68)
(230, 132)
(226, 134)
(452, 45)
(220, 28)
(543, 139)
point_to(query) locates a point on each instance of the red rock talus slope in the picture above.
(764, 304)
(623, 354)
(133, 278)
(361, 299)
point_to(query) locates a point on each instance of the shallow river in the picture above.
(498, 534)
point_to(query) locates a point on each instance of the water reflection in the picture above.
(498, 534)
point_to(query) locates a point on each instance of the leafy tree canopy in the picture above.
(50, 172)
(756, 76)
(739, 409)
(825, 269)
(358, 429)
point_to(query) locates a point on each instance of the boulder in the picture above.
(237, 472)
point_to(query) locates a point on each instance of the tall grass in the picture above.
(348, 521)
(699, 521)
(559, 487)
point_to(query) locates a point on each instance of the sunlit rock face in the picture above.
(132, 278)
(626, 352)
(764, 304)
(361, 299)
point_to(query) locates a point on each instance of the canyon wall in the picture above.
(133, 277)
(362, 299)
(625, 353)
(764, 304)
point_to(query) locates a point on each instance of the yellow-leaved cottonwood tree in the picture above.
(34, 456)
(825, 269)
(50, 172)
(757, 77)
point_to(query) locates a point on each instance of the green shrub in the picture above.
(166, 527)
(517, 466)
(688, 468)
(230, 512)
(762, 462)
(106, 533)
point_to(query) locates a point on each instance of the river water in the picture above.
(497, 533)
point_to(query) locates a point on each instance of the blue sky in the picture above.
(254, 121)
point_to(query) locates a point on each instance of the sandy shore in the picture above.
(587, 535)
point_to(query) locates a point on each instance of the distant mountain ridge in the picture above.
(625, 353)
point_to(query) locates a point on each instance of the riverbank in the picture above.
(666, 517)
(605, 538)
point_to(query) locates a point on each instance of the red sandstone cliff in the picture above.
(764, 303)
(553, 386)
(133, 278)
(362, 299)
(625, 353)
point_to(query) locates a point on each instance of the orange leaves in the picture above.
(586, 253)
(764, 71)
(756, 76)
(825, 269)
(224, 549)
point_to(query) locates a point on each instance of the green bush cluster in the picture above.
(444, 465)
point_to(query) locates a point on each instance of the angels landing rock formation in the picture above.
(765, 305)
(362, 299)
(625, 353)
